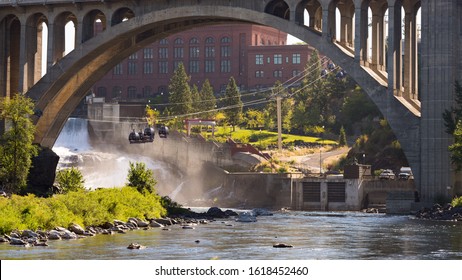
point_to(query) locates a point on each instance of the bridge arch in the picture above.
(71, 78)
(121, 14)
(88, 24)
(278, 8)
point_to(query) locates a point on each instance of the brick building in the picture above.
(256, 56)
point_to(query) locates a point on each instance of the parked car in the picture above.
(387, 174)
(405, 173)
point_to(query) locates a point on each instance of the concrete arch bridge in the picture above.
(377, 44)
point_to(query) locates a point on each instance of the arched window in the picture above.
(225, 40)
(178, 41)
(210, 40)
(194, 41)
(163, 42)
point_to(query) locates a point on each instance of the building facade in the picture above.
(256, 56)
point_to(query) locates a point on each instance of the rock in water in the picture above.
(282, 245)
(135, 246)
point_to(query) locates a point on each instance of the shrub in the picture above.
(69, 179)
(141, 178)
(457, 202)
(81, 207)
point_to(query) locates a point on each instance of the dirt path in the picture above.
(313, 159)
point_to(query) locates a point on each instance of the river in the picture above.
(314, 235)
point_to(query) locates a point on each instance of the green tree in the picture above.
(141, 178)
(69, 179)
(208, 100)
(180, 93)
(233, 104)
(196, 100)
(452, 116)
(16, 147)
(254, 118)
(342, 141)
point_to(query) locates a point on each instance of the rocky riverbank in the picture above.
(443, 213)
(188, 219)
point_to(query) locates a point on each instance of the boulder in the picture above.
(54, 235)
(42, 172)
(77, 229)
(17, 241)
(117, 223)
(155, 224)
(216, 212)
(3, 239)
(135, 246)
(164, 221)
(69, 235)
(282, 245)
(29, 233)
(107, 225)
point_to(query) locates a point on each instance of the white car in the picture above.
(387, 174)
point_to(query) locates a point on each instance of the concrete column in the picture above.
(358, 35)
(3, 60)
(22, 78)
(361, 35)
(408, 52)
(375, 41)
(50, 47)
(394, 48)
(414, 58)
(328, 31)
(441, 43)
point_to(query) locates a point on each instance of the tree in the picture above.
(180, 93)
(69, 180)
(233, 104)
(208, 100)
(254, 118)
(453, 122)
(452, 116)
(16, 147)
(342, 141)
(196, 100)
(286, 108)
(141, 178)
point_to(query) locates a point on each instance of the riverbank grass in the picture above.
(87, 208)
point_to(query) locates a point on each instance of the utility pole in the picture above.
(278, 106)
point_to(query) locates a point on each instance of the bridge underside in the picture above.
(388, 78)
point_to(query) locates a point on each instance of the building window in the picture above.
(287, 59)
(116, 92)
(178, 41)
(225, 66)
(210, 40)
(101, 92)
(147, 91)
(209, 51)
(259, 74)
(148, 53)
(163, 42)
(178, 52)
(225, 51)
(194, 52)
(176, 63)
(163, 67)
(131, 92)
(193, 41)
(133, 56)
(148, 67)
(131, 68)
(163, 53)
(268, 60)
(277, 59)
(118, 70)
(277, 74)
(295, 73)
(225, 40)
(259, 59)
(210, 66)
(194, 66)
(296, 58)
